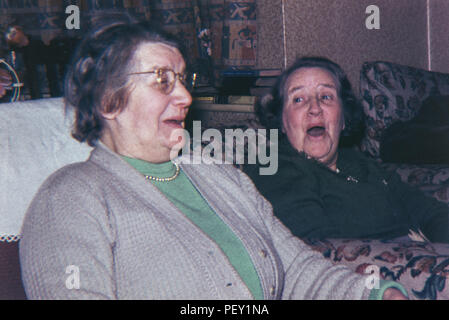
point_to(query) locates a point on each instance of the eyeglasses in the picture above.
(166, 79)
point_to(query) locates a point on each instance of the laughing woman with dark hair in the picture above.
(322, 190)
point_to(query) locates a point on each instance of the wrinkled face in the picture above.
(145, 128)
(312, 117)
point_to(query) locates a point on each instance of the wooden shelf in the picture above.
(223, 107)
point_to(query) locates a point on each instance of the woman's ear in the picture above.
(110, 115)
(113, 103)
(108, 112)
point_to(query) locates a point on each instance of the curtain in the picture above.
(231, 23)
(39, 18)
(46, 19)
(238, 33)
(44, 22)
(217, 34)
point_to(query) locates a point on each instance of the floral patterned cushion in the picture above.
(422, 268)
(433, 180)
(391, 92)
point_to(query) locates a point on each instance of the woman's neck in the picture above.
(133, 151)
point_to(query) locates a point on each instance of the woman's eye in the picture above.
(327, 98)
(163, 79)
(298, 99)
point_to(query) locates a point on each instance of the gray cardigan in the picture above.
(99, 230)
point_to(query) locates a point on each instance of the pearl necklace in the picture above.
(166, 179)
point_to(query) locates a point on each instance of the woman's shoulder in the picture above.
(354, 156)
(292, 171)
(357, 162)
(72, 176)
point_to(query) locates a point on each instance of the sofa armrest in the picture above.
(11, 287)
(391, 92)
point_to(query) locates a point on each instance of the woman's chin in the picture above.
(321, 154)
(318, 149)
(175, 135)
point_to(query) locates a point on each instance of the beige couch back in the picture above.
(35, 141)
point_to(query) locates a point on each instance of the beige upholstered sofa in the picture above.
(34, 141)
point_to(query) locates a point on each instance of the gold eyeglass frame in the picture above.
(182, 77)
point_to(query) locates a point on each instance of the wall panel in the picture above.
(439, 35)
(336, 29)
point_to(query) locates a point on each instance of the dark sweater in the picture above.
(361, 201)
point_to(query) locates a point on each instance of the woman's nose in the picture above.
(182, 95)
(314, 106)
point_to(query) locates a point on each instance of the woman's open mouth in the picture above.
(316, 131)
(175, 123)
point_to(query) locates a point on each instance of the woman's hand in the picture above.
(393, 294)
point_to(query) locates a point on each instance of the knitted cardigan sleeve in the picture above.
(66, 235)
(307, 274)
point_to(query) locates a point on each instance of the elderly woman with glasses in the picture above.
(132, 222)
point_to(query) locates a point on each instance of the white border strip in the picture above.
(283, 34)
(429, 48)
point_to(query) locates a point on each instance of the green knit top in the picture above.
(183, 194)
